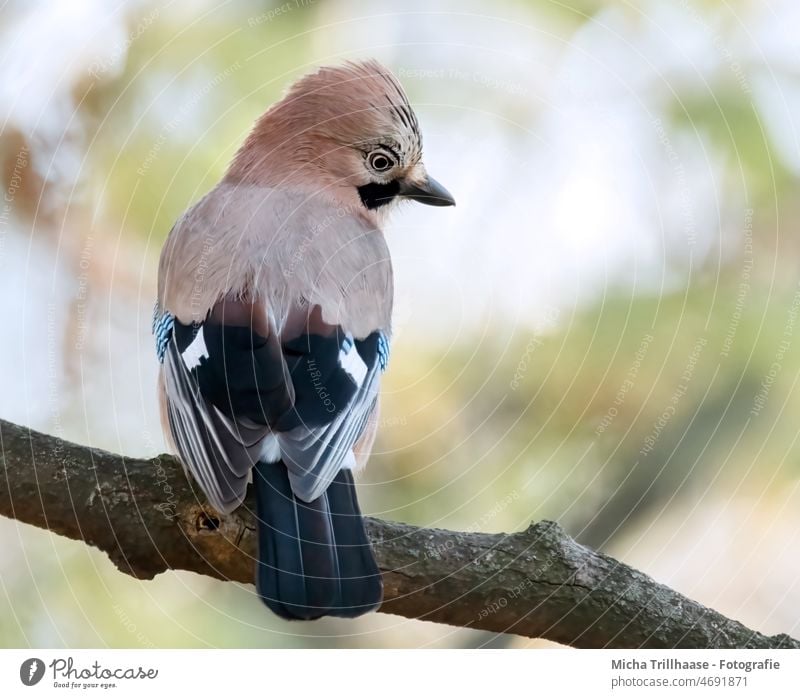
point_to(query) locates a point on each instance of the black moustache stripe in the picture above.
(375, 195)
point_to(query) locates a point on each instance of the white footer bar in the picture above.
(401, 673)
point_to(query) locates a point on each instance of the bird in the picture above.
(273, 325)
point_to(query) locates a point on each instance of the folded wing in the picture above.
(232, 386)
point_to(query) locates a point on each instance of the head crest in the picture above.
(358, 100)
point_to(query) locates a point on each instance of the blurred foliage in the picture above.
(566, 443)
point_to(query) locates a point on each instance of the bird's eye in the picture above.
(380, 161)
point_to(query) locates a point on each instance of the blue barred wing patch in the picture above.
(162, 331)
(383, 351)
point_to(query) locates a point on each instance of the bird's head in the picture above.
(348, 130)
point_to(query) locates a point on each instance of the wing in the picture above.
(225, 383)
(335, 379)
(230, 382)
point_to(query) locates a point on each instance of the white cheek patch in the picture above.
(350, 360)
(195, 351)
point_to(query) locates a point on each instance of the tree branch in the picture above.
(538, 583)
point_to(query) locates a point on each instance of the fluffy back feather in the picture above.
(276, 246)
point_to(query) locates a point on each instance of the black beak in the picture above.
(428, 192)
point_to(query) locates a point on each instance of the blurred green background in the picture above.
(604, 331)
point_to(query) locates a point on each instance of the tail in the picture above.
(314, 557)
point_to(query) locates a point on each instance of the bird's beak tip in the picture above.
(429, 192)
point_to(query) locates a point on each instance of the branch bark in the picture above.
(538, 583)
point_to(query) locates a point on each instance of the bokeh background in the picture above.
(604, 331)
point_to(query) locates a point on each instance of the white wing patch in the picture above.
(350, 360)
(195, 351)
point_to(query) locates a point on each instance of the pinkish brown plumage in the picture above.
(319, 132)
(274, 321)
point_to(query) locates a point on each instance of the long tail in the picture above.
(314, 557)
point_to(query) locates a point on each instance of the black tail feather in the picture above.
(314, 557)
(361, 583)
(280, 578)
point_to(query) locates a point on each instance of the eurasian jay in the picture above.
(273, 325)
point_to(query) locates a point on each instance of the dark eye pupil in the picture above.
(380, 162)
